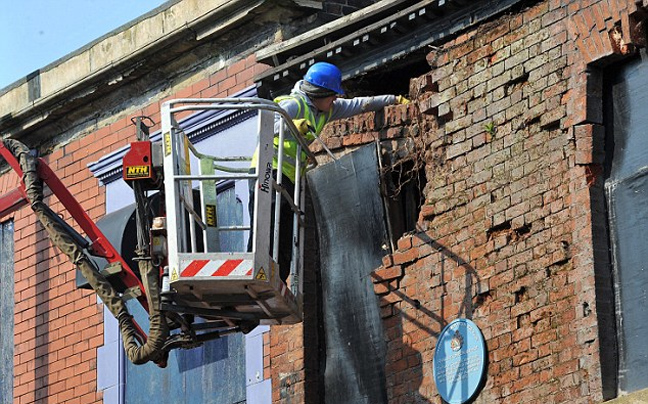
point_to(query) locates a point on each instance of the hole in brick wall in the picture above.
(522, 230)
(516, 83)
(442, 120)
(564, 260)
(480, 299)
(506, 229)
(586, 309)
(521, 294)
(529, 122)
(503, 228)
(404, 184)
(618, 41)
(551, 126)
(534, 322)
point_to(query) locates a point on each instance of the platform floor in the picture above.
(250, 298)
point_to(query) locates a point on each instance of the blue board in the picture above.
(211, 374)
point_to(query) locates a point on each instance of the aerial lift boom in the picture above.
(191, 289)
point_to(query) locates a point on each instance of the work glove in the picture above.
(303, 126)
(402, 100)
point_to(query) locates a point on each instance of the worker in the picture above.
(312, 103)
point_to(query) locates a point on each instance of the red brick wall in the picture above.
(509, 124)
(506, 234)
(57, 327)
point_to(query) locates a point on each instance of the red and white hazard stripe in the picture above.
(216, 268)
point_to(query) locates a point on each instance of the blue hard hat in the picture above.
(325, 75)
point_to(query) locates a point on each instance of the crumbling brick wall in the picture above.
(509, 124)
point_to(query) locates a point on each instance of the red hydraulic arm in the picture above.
(12, 201)
(100, 245)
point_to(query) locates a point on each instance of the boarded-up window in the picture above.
(6, 311)
(347, 202)
(213, 373)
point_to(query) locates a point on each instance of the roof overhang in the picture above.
(385, 33)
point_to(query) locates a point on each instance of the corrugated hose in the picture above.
(137, 351)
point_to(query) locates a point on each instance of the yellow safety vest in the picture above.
(290, 144)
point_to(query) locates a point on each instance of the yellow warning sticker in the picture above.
(187, 159)
(174, 274)
(261, 275)
(167, 144)
(210, 218)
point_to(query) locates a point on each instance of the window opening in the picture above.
(402, 167)
(403, 181)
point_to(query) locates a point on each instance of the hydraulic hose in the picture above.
(137, 351)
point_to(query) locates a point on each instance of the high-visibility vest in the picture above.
(290, 144)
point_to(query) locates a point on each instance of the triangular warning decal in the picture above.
(261, 275)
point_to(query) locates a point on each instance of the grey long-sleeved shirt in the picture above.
(342, 108)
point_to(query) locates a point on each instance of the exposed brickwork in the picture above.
(294, 351)
(506, 235)
(606, 28)
(603, 32)
(287, 364)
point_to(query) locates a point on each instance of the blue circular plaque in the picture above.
(459, 361)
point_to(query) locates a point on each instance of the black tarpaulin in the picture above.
(627, 195)
(349, 210)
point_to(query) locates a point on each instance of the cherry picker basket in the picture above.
(242, 287)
